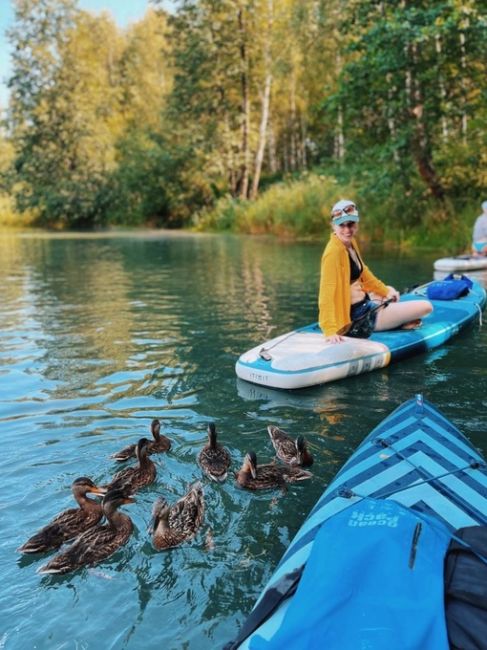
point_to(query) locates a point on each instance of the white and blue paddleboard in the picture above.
(461, 263)
(302, 357)
(366, 568)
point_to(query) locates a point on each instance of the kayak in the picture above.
(302, 358)
(366, 568)
(461, 263)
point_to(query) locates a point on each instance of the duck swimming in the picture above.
(99, 542)
(159, 444)
(70, 523)
(292, 452)
(179, 522)
(265, 477)
(132, 479)
(214, 459)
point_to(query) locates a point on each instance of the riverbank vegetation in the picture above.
(300, 209)
(249, 116)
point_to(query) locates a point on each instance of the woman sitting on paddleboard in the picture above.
(346, 282)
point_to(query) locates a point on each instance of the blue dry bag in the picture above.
(450, 288)
(374, 579)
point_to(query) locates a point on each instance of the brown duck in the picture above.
(99, 542)
(292, 452)
(266, 477)
(133, 478)
(214, 459)
(70, 523)
(179, 522)
(159, 444)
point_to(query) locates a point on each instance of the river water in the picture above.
(100, 334)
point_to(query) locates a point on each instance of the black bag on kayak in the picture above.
(466, 589)
(450, 288)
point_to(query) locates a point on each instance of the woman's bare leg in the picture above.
(399, 313)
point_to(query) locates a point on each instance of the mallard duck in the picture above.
(160, 444)
(214, 459)
(99, 542)
(179, 522)
(132, 479)
(70, 523)
(265, 477)
(292, 452)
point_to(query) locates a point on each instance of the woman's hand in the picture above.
(392, 294)
(334, 338)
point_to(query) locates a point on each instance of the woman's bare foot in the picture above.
(412, 325)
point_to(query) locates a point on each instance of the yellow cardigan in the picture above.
(335, 295)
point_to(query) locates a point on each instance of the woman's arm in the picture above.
(372, 284)
(330, 271)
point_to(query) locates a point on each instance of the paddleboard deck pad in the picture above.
(303, 358)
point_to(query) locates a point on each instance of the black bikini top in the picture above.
(355, 269)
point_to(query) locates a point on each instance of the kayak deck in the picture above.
(415, 458)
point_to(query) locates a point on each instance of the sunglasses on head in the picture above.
(348, 209)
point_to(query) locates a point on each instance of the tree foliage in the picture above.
(87, 85)
(164, 119)
(411, 92)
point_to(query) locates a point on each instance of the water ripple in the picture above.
(98, 336)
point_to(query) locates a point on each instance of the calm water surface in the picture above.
(98, 335)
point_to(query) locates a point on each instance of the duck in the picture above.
(179, 522)
(99, 542)
(292, 452)
(214, 459)
(267, 477)
(133, 478)
(160, 444)
(69, 523)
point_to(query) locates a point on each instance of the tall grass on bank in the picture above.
(298, 208)
(9, 217)
(301, 209)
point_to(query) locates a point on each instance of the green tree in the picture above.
(39, 31)
(146, 72)
(208, 105)
(409, 89)
(147, 184)
(248, 79)
(64, 110)
(94, 88)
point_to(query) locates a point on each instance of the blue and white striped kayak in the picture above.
(369, 557)
(303, 358)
